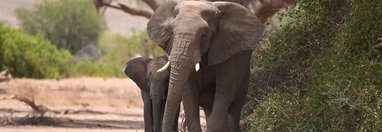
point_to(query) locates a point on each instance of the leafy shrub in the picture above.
(30, 56)
(88, 68)
(70, 24)
(320, 73)
(117, 50)
(120, 49)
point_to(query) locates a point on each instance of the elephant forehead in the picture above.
(195, 6)
(155, 65)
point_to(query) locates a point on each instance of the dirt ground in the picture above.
(75, 104)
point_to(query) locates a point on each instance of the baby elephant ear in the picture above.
(136, 70)
(159, 26)
(238, 29)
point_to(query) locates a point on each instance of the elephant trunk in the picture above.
(157, 114)
(181, 67)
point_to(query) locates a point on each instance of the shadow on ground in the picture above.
(51, 121)
(72, 123)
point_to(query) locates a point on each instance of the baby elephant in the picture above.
(154, 86)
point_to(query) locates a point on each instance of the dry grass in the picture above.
(90, 103)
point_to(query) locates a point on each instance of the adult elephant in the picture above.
(154, 87)
(215, 37)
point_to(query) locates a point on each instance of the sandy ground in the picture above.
(75, 104)
(79, 104)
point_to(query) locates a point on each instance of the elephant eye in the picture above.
(176, 12)
(204, 35)
(204, 32)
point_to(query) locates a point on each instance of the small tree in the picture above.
(24, 55)
(70, 24)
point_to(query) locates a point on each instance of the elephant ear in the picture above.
(136, 70)
(159, 26)
(238, 29)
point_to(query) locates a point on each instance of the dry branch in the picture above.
(246, 121)
(41, 109)
(151, 3)
(5, 76)
(379, 45)
(135, 11)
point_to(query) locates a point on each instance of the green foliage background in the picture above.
(31, 56)
(25, 55)
(117, 50)
(320, 72)
(69, 24)
(120, 49)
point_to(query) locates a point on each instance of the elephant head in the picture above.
(191, 30)
(143, 71)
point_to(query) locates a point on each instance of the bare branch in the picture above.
(379, 45)
(98, 4)
(37, 108)
(135, 11)
(152, 4)
(5, 76)
(125, 8)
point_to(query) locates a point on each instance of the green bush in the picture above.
(320, 72)
(88, 68)
(30, 56)
(117, 50)
(70, 24)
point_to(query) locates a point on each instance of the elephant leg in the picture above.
(231, 78)
(237, 105)
(230, 125)
(223, 98)
(235, 113)
(191, 107)
(147, 112)
(206, 102)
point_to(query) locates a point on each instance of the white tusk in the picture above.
(197, 67)
(164, 67)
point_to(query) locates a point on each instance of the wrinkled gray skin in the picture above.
(154, 87)
(218, 35)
